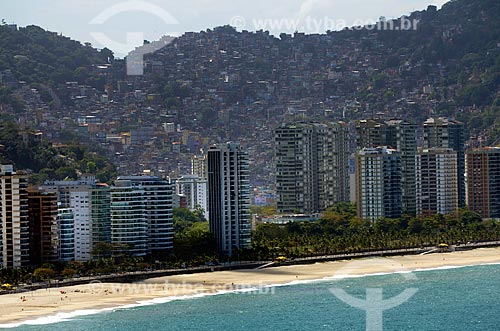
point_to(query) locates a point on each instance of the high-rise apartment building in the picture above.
(379, 188)
(436, 181)
(352, 178)
(80, 204)
(400, 135)
(334, 164)
(100, 214)
(44, 240)
(448, 133)
(76, 195)
(129, 225)
(14, 217)
(297, 169)
(229, 197)
(199, 165)
(194, 189)
(371, 133)
(483, 181)
(312, 166)
(66, 234)
(158, 195)
(141, 215)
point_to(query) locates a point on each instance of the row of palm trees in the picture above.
(339, 231)
(343, 233)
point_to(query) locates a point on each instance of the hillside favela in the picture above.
(303, 165)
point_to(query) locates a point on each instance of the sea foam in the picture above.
(68, 316)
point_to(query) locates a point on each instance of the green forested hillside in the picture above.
(27, 151)
(38, 56)
(449, 65)
(454, 53)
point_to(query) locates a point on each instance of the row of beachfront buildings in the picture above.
(389, 174)
(71, 220)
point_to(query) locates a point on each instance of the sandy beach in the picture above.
(47, 302)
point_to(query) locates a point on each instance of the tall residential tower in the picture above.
(483, 181)
(400, 135)
(44, 240)
(312, 166)
(379, 189)
(194, 189)
(141, 215)
(448, 133)
(229, 197)
(437, 182)
(14, 217)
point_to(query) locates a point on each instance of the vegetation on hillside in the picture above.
(453, 52)
(38, 56)
(455, 49)
(27, 151)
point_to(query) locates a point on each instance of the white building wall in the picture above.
(195, 190)
(201, 196)
(79, 202)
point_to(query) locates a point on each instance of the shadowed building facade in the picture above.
(312, 166)
(44, 241)
(483, 181)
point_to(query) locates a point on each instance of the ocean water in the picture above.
(465, 298)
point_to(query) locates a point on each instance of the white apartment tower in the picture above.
(75, 195)
(379, 185)
(229, 197)
(194, 189)
(436, 181)
(80, 204)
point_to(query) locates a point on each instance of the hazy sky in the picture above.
(121, 24)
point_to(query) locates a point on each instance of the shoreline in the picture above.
(45, 306)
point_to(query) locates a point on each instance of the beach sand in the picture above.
(47, 302)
